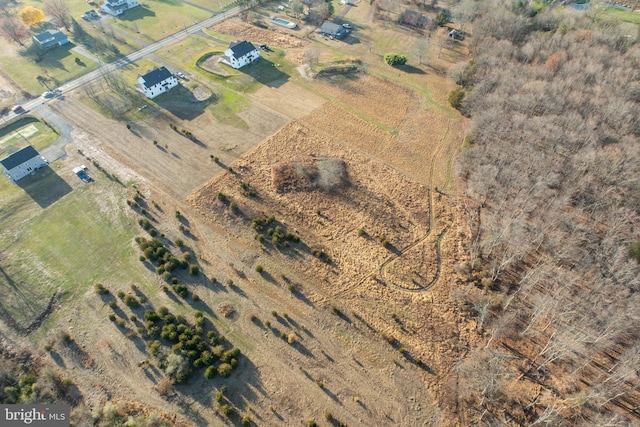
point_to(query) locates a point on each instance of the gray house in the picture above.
(333, 30)
(22, 163)
(50, 39)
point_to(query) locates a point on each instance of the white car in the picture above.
(181, 75)
(347, 26)
(48, 94)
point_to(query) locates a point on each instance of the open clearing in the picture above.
(371, 333)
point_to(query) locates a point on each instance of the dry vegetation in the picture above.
(342, 258)
(553, 170)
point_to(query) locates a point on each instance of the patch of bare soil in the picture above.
(211, 64)
(243, 31)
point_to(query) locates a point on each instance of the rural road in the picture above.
(132, 57)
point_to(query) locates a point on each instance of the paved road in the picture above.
(132, 57)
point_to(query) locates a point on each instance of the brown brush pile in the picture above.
(309, 175)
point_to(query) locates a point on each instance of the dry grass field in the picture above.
(360, 170)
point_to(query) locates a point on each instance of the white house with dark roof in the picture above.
(240, 54)
(22, 163)
(117, 7)
(50, 39)
(157, 81)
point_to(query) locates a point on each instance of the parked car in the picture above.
(347, 26)
(181, 75)
(48, 94)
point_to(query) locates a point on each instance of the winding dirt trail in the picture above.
(382, 270)
(385, 264)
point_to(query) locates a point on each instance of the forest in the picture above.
(551, 179)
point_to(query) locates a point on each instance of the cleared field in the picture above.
(157, 19)
(59, 65)
(67, 231)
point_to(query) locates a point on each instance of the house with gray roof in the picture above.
(22, 163)
(240, 53)
(157, 81)
(50, 39)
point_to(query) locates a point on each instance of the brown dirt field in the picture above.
(244, 31)
(177, 164)
(383, 201)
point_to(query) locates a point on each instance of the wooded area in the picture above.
(552, 178)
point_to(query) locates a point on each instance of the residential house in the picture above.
(414, 19)
(22, 163)
(331, 29)
(240, 54)
(117, 7)
(157, 81)
(50, 39)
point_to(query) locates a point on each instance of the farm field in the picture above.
(355, 320)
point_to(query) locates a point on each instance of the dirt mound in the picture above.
(308, 175)
(246, 31)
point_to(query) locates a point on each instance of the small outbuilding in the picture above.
(157, 82)
(22, 163)
(240, 54)
(331, 29)
(50, 39)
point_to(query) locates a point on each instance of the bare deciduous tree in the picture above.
(13, 29)
(59, 10)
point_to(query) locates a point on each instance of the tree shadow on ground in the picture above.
(266, 72)
(45, 187)
(410, 69)
(183, 104)
(243, 388)
(139, 12)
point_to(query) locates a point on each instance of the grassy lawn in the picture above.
(623, 15)
(58, 64)
(226, 109)
(186, 52)
(212, 4)
(158, 19)
(83, 237)
(28, 130)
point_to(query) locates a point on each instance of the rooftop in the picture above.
(156, 76)
(242, 48)
(19, 157)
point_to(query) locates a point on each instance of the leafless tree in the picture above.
(59, 10)
(13, 29)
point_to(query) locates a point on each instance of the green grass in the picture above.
(186, 52)
(58, 64)
(159, 19)
(83, 237)
(226, 109)
(18, 134)
(622, 15)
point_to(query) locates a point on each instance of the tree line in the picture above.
(551, 177)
